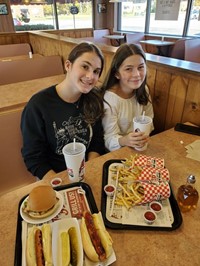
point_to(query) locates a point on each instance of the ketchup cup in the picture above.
(109, 190)
(155, 206)
(149, 216)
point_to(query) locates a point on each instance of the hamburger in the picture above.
(41, 203)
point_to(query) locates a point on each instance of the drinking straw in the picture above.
(74, 145)
(143, 114)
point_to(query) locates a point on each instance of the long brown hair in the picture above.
(92, 102)
(123, 52)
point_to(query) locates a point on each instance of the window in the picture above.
(175, 25)
(194, 21)
(47, 14)
(133, 15)
(151, 17)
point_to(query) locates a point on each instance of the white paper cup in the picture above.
(143, 124)
(74, 154)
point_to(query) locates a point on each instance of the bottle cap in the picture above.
(191, 179)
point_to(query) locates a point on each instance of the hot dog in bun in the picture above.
(97, 243)
(41, 202)
(38, 246)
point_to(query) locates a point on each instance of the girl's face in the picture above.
(83, 73)
(131, 73)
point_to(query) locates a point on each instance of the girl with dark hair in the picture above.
(126, 95)
(72, 109)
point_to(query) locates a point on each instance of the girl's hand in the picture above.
(134, 139)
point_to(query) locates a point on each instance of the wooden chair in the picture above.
(7, 50)
(99, 36)
(135, 38)
(177, 50)
(192, 50)
(13, 172)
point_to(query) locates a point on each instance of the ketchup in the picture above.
(56, 182)
(150, 216)
(155, 207)
(109, 189)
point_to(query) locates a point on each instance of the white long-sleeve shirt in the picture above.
(118, 118)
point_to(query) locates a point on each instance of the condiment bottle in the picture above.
(188, 196)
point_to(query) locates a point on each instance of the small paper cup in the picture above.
(109, 190)
(57, 181)
(150, 216)
(155, 206)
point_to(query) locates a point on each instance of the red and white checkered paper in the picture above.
(149, 161)
(157, 174)
(157, 191)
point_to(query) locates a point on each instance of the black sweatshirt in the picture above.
(48, 123)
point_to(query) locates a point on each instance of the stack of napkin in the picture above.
(193, 150)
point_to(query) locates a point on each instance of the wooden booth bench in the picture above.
(22, 70)
(13, 172)
(7, 50)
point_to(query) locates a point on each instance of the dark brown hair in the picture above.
(123, 52)
(92, 102)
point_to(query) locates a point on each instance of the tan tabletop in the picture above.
(157, 42)
(16, 95)
(119, 39)
(143, 248)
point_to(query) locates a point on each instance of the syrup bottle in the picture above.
(188, 196)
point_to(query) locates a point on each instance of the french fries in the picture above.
(129, 195)
(129, 192)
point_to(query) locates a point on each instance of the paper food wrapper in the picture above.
(149, 161)
(155, 191)
(154, 174)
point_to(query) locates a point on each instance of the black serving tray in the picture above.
(174, 206)
(18, 243)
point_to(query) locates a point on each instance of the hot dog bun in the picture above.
(97, 243)
(47, 244)
(106, 239)
(30, 248)
(87, 243)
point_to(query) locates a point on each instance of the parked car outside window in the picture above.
(17, 22)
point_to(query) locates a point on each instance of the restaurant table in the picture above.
(160, 44)
(16, 95)
(141, 247)
(119, 39)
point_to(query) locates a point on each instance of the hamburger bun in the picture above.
(41, 202)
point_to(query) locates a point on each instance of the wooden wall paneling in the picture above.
(191, 112)
(176, 102)
(44, 46)
(160, 99)
(151, 77)
(65, 49)
(12, 38)
(108, 60)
